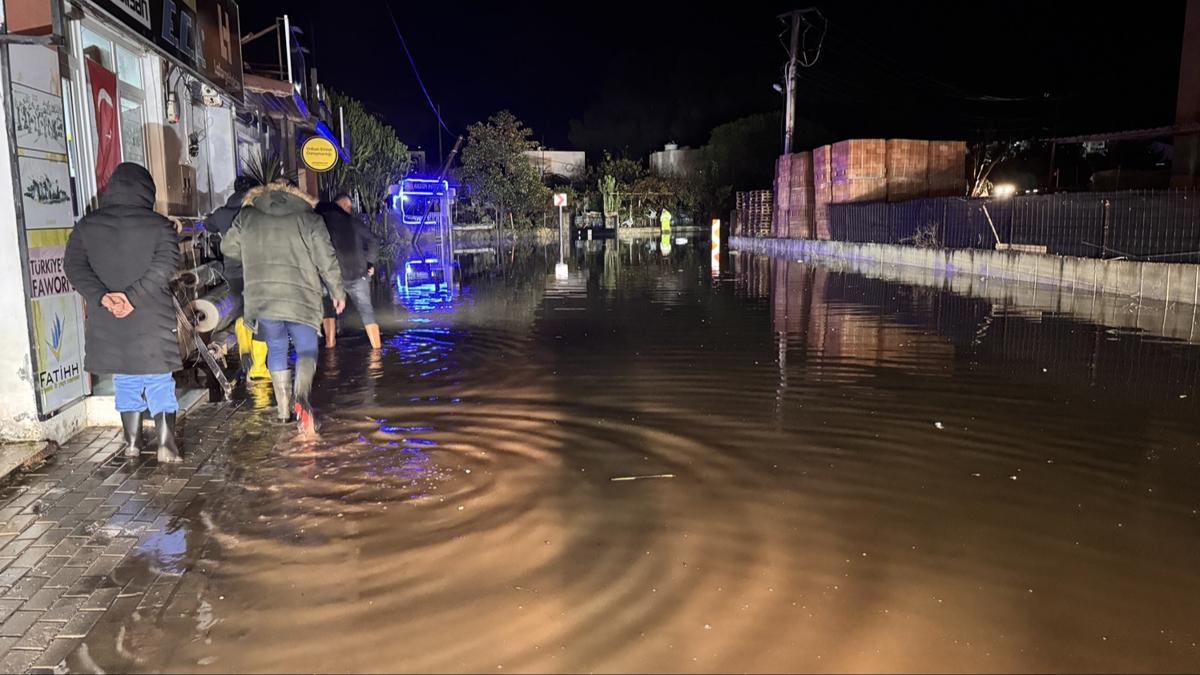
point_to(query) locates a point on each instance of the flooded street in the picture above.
(643, 468)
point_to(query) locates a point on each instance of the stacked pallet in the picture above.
(754, 212)
(782, 204)
(862, 170)
(907, 169)
(822, 190)
(859, 170)
(793, 208)
(947, 168)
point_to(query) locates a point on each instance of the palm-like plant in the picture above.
(265, 169)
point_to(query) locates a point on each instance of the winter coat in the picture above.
(353, 242)
(124, 246)
(285, 253)
(219, 223)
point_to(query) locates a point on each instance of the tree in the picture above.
(495, 167)
(378, 160)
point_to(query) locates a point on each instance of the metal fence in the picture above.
(1148, 225)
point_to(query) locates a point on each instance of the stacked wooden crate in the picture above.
(754, 212)
(947, 168)
(907, 169)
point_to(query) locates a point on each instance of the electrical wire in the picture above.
(404, 43)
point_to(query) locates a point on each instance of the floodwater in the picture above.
(645, 468)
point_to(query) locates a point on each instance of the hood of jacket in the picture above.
(279, 199)
(129, 185)
(236, 200)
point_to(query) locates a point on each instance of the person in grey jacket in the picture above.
(120, 258)
(286, 255)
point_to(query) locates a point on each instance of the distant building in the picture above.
(673, 160)
(565, 163)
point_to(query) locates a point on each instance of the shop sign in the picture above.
(55, 309)
(202, 34)
(319, 154)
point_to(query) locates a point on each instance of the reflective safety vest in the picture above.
(665, 220)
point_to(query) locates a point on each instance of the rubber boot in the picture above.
(245, 340)
(329, 327)
(131, 422)
(258, 368)
(306, 369)
(373, 335)
(164, 426)
(282, 381)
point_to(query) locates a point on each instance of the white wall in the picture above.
(566, 163)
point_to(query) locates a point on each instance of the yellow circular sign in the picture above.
(319, 154)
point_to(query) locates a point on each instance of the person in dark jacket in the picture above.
(222, 219)
(285, 251)
(219, 223)
(357, 253)
(120, 258)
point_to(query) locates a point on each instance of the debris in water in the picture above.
(207, 661)
(657, 475)
(939, 425)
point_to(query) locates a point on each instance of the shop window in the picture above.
(129, 67)
(98, 48)
(133, 132)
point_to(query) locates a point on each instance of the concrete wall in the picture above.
(1123, 281)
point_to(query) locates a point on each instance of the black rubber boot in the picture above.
(164, 426)
(131, 422)
(281, 380)
(306, 369)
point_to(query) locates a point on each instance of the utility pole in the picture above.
(789, 115)
(789, 118)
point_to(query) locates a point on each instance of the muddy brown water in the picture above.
(825, 472)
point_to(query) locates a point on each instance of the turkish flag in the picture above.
(108, 128)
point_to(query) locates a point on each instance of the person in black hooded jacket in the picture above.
(120, 258)
(357, 251)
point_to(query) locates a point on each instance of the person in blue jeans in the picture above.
(357, 250)
(120, 258)
(286, 255)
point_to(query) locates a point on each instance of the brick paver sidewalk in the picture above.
(77, 537)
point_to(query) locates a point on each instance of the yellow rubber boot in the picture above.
(258, 367)
(244, 336)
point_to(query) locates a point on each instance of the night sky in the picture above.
(635, 75)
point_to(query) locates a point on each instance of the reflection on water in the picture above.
(867, 475)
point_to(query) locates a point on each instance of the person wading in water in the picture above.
(286, 255)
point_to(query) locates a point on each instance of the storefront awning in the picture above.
(276, 98)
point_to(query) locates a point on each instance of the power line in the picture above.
(417, 73)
